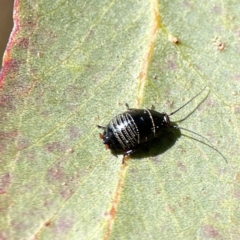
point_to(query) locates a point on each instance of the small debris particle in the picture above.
(173, 39)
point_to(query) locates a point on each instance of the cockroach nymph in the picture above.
(131, 129)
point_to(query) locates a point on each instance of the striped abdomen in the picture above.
(125, 130)
(133, 127)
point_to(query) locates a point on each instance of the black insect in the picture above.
(131, 129)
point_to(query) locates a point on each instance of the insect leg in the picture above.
(126, 154)
(125, 158)
(101, 127)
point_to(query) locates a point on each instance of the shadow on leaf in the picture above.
(156, 146)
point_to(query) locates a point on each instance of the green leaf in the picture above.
(70, 65)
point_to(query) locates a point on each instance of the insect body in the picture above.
(129, 130)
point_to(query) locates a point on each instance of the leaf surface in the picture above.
(71, 65)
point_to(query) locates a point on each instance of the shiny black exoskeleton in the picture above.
(127, 131)
(131, 129)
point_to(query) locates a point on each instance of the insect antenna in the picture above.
(187, 102)
(197, 134)
(210, 144)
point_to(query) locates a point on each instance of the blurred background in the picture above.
(6, 24)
